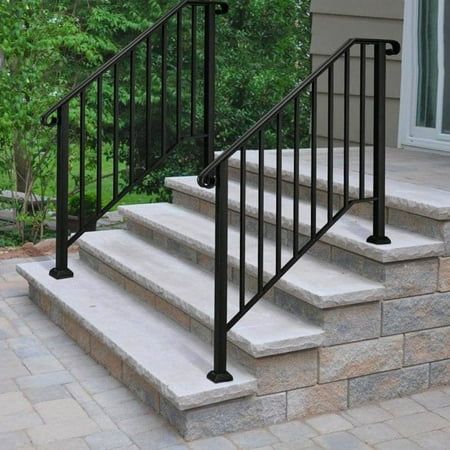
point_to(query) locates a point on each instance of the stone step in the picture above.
(133, 340)
(314, 281)
(414, 207)
(265, 331)
(408, 266)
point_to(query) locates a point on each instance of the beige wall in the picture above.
(335, 21)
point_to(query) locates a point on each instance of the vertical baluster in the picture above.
(209, 84)
(82, 216)
(193, 69)
(116, 133)
(61, 271)
(164, 45)
(220, 374)
(132, 114)
(346, 127)
(279, 186)
(179, 71)
(379, 148)
(243, 201)
(330, 141)
(99, 141)
(362, 124)
(260, 212)
(296, 186)
(313, 159)
(148, 102)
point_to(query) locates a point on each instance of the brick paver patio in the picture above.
(54, 396)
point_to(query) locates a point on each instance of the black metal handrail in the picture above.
(216, 174)
(111, 68)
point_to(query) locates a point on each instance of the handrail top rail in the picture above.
(138, 40)
(206, 176)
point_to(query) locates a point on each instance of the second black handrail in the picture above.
(216, 175)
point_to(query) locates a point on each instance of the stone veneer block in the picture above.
(141, 387)
(444, 275)
(360, 358)
(416, 313)
(440, 373)
(351, 323)
(104, 356)
(317, 399)
(427, 346)
(226, 417)
(72, 327)
(388, 385)
(281, 372)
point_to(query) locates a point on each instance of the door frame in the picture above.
(410, 134)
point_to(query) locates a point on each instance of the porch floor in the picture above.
(56, 396)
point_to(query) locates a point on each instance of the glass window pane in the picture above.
(428, 63)
(446, 111)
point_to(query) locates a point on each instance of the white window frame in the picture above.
(410, 134)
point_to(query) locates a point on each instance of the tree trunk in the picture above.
(22, 165)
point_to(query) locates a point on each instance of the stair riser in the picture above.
(404, 278)
(427, 226)
(341, 324)
(273, 372)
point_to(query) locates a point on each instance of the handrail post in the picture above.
(379, 148)
(61, 270)
(220, 374)
(209, 84)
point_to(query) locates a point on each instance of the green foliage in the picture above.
(48, 46)
(90, 204)
(263, 53)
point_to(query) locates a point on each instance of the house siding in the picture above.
(332, 24)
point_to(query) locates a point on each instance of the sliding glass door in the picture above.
(426, 74)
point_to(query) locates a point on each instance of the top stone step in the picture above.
(417, 196)
(349, 233)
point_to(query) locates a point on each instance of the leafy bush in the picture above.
(47, 47)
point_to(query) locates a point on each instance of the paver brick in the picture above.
(329, 423)
(61, 410)
(402, 406)
(341, 441)
(417, 423)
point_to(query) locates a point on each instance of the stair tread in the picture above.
(417, 199)
(267, 330)
(349, 233)
(322, 284)
(171, 358)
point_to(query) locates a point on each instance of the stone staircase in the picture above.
(350, 323)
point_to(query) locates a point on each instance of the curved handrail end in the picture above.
(207, 181)
(224, 8)
(49, 120)
(396, 48)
